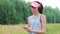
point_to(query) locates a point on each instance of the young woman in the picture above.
(37, 21)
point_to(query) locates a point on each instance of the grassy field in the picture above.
(17, 29)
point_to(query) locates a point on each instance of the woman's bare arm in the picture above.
(28, 22)
(43, 20)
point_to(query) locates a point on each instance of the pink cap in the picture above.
(35, 4)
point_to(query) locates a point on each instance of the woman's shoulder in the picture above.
(43, 15)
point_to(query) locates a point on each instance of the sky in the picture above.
(52, 3)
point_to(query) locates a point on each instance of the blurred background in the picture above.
(14, 13)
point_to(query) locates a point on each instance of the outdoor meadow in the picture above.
(14, 13)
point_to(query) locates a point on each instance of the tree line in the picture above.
(17, 11)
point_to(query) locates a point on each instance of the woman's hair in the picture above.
(40, 8)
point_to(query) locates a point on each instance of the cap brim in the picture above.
(34, 4)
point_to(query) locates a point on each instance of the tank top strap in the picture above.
(40, 17)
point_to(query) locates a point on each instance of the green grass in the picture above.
(17, 29)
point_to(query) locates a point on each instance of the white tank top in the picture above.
(35, 23)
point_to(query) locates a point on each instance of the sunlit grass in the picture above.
(17, 29)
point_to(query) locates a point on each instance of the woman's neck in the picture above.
(36, 14)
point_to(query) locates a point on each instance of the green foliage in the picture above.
(13, 11)
(52, 15)
(17, 11)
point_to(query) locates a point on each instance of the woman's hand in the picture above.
(28, 29)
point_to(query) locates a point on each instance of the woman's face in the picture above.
(34, 10)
